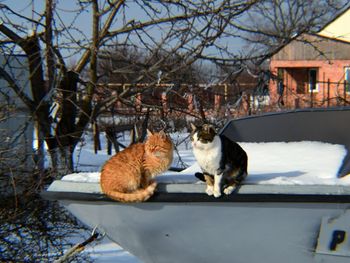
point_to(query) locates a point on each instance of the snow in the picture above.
(305, 162)
(83, 177)
(292, 163)
(109, 252)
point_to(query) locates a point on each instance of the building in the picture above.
(337, 28)
(313, 70)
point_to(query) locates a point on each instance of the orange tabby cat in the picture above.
(128, 175)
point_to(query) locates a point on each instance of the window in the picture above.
(347, 79)
(313, 87)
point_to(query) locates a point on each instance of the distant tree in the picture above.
(271, 24)
(175, 35)
(123, 65)
(172, 26)
(72, 46)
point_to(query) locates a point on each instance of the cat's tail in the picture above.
(136, 196)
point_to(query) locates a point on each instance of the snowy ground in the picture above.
(109, 252)
(311, 163)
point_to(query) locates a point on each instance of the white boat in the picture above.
(257, 223)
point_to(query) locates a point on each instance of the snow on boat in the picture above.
(295, 213)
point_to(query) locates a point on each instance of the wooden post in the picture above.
(190, 102)
(164, 101)
(111, 136)
(328, 92)
(345, 83)
(138, 101)
(286, 90)
(226, 92)
(311, 97)
(297, 103)
(96, 134)
(217, 102)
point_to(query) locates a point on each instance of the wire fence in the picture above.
(318, 94)
(230, 100)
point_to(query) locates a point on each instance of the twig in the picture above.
(79, 247)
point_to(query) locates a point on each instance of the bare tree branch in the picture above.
(12, 83)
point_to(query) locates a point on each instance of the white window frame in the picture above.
(309, 77)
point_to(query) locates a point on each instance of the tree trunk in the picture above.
(39, 148)
(62, 161)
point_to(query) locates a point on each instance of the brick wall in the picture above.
(296, 78)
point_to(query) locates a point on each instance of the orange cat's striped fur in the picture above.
(128, 175)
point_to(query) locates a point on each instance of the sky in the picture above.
(81, 25)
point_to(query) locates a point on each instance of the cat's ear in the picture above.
(162, 134)
(193, 127)
(149, 133)
(213, 129)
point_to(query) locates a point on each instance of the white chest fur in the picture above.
(208, 155)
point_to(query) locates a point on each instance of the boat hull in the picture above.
(312, 124)
(257, 223)
(237, 232)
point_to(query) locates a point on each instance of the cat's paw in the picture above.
(216, 193)
(153, 184)
(209, 190)
(228, 190)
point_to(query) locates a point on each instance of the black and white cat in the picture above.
(223, 162)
